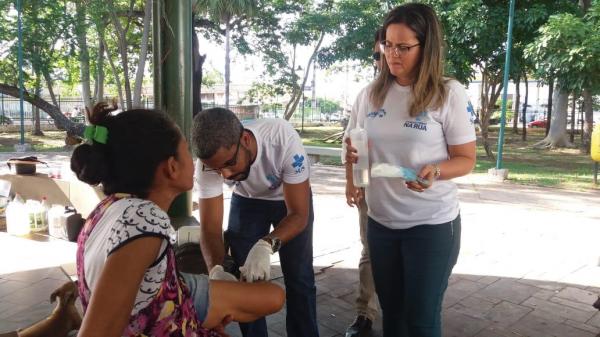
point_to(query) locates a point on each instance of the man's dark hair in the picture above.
(214, 128)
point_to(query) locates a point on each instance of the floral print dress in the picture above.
(170, 310)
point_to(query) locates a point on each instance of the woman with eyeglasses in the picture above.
(422, 123)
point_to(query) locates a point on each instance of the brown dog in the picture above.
(62, 320)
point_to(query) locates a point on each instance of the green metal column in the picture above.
(172, 42)
(511, 19)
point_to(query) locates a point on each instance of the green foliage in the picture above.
(475, 32)
(224, 10)
(45, 25)
(568, 48)
(278, 29)
(356, 22)
(261, 92)
(211, 78)
(328, 106)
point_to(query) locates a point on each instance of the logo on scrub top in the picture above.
(420, 122)
(298, 163)
(471, 112)
(275, 182)
(379, 113)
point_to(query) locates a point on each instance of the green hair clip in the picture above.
(97, 133)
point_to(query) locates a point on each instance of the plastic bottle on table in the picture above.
(360, 170)
(57, 223)
(45, 209)
(17, 219)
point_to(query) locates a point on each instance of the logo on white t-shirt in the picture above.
(379, 113)
(420, 122)
(471, 112)
(275, 182)
(298, 163)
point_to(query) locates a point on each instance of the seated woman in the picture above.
(128, 280)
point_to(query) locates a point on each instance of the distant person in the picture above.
(421, 123)
(366, 302)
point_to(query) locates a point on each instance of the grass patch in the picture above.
(51, 141)
(562, 168)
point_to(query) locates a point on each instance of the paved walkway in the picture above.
(529, 263)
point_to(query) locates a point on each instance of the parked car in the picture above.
(541, 123)
(334, 117)
(5, 120)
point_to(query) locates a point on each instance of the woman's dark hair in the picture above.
(429, 90)
(138, 141)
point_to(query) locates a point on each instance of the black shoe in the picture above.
(359, 327)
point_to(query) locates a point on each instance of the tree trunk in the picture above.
(573, 118)
(557, 136)
(99, 92)
(296, 96)
(37, 127)
(524, 133)
(588, 120)
(294, 89)
(122, 43)
(490, 94)
(517, 105)
(84, 56)
(61, 122)
(585, 5)
(198, 62)
(549, 115)
(227, 61)
(115, 75)
(49, 86)
(139, 76)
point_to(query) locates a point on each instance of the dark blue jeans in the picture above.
(249, 221)
(411, 268)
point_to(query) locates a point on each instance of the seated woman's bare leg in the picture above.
(244, 302)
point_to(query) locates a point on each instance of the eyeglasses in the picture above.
(397, 49)
(376, 56)
(231, 162)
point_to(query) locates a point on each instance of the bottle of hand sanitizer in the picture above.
(360, 170)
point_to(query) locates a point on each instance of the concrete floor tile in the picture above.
(506, 313)
(578, 295)
(510, 290)
(563, 311)
(457, 324)
(595, 320)
(582, 326)
(534, 325)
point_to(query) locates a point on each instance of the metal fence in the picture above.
(73, 108)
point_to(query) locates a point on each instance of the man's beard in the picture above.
(246, 172)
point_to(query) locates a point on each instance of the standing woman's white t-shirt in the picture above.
(397, 138)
